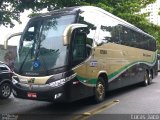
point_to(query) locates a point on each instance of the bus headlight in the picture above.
(57, 83)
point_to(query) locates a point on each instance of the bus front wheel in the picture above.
(100, 90)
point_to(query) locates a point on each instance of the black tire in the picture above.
(150, 78)
(100, 90)
(5, 90)
(146, 80)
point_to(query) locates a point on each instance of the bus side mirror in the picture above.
(69, 30)
(78, 47)
(9, 37)
(29, 36)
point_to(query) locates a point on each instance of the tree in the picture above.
(129, 10)
(8, 12)
(10, 9)
(126, 9)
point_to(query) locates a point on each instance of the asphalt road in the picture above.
(133, 102)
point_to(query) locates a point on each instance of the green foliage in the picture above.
(129, 11)
(8, 12)
(126, 9)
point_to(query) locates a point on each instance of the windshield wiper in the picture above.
(24, 60)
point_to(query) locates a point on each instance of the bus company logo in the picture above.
(146, 55)
(30, 81)
(9, 117)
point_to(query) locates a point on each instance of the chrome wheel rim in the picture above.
(146, 79)
(100, 90)
(150, 78)
(6, 90)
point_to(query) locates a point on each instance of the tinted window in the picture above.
(136, 39)
(107, 29)
(125, 36)
(152, 44)
(3, 67)
(104, 29)
(79, 48)
(89, 19)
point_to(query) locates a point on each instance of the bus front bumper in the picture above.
(39, 92)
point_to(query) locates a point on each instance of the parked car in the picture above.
(5, 81)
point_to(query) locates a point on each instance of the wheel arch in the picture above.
(5, 81)
(104, 75)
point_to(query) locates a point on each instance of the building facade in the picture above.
(153, 9)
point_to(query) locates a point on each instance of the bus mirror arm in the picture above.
(5, 44)
(69, 30)
(100, 43)
(9, 37)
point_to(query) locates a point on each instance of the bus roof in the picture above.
(69, 10)
(115, 17)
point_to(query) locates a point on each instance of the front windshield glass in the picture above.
(41, 47)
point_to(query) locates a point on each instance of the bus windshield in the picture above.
(41, 47)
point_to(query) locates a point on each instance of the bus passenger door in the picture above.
(80, 52)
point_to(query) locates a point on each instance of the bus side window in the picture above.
(116, 34)
(126, 37)
(108, 30)
(78, 48)
(89, 43)
(89, 18)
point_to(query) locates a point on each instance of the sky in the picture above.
(4, 32)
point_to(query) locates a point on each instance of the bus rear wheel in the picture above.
(150, 78)
(146, 79)
(100, 90)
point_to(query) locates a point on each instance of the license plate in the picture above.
(32, 95)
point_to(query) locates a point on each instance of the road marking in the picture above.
(88, 114)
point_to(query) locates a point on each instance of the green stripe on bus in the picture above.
(112, 75)
(88, 81)
(93, 81)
